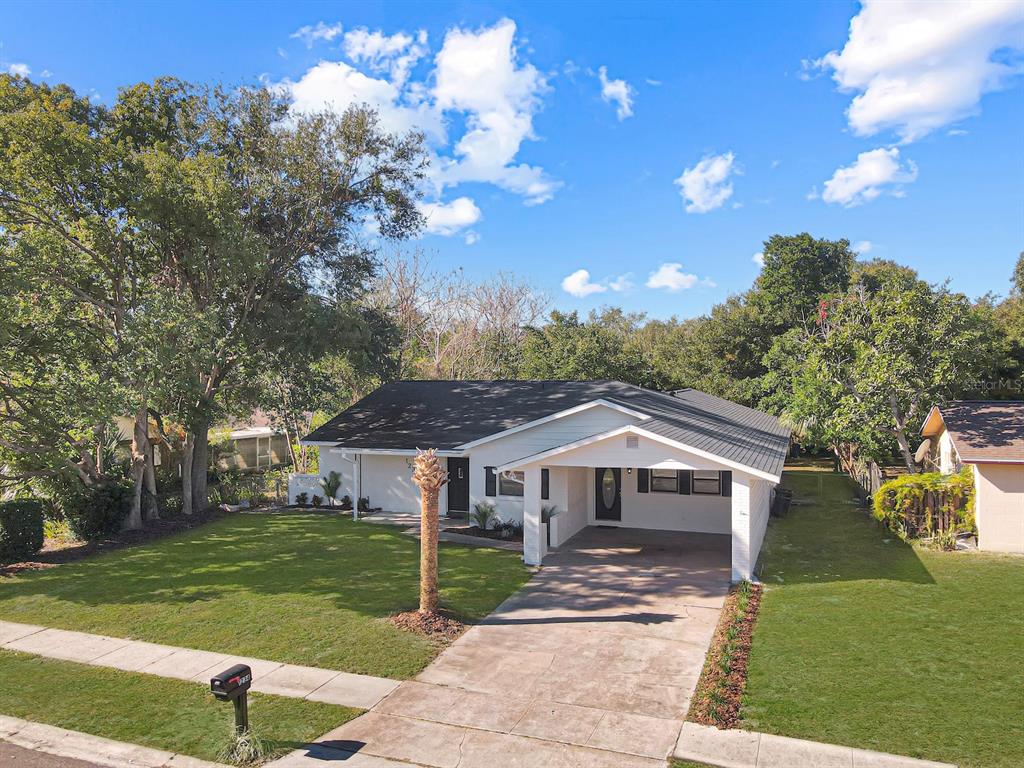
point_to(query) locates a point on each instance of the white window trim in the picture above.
(675, 479)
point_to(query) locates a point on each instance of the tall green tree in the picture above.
(874, 359)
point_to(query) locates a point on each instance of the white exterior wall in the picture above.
(949, 462)
(573, 515)
(387, 482)
(999, 507)
(591, 421)
(669, 511)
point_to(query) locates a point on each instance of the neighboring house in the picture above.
(602, 452)
(252, 443)
(989, 436)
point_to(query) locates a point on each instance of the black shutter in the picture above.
(643, 480)
(725, 478)
(490, 482)
(684, 477)
(545, 484)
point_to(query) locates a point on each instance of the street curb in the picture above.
(92, 749)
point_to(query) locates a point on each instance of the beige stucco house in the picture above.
(988, 436)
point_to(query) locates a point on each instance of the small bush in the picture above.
(317, 500)
(510, 529)
(58, 530)
(346, 502)
(21, 528)
(924, 505)
(483, 514)
(331, 484)
(302, 499)
(97, 511)
(364, 504)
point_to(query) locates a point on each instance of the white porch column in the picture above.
(357, 484)
(741, 565)
(534, 544)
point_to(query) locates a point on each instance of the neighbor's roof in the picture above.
(448, 414)
(984, 430)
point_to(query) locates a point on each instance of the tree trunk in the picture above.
(151, 509)
(138, 467)
(428, 550)
(186, 474)
(200, 461)
(901, 434)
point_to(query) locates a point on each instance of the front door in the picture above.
(458, 485)
(608, 493)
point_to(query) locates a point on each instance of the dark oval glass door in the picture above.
(608, 493)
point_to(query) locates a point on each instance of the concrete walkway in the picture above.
(326, 685)
(84, 749)
(746, 749)
(591, 665)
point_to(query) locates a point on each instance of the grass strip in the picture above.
(173, 715)
(296, 587)
(720, 689)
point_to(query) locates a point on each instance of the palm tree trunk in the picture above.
(428, 551)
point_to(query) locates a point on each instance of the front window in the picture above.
(707, 481)
(511, 483)
(664, 480)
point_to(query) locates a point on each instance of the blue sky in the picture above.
(712, 126)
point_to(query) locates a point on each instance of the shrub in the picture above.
(21, 528)
(302, 499)
(97, 511)
(317, 500)
(58, 530)
(510, 529)
(927, 504)
(483, 514)
(364, 504)
(346, 502)
(331, 484)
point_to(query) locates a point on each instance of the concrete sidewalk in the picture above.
(746, 749)
(313, 683)
(90, 750)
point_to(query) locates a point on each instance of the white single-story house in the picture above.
(603, 453)
(988, 435)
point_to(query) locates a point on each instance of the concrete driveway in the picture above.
(592, 664)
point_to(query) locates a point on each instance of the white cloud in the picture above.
(917, 65)
(874, 172)
(335, 85)
(578, 284)
(671, 277)
(394, 54)
(310, 34)
(622, 283)
(618, 92)
(479, 74)
(706, 186)
(21, 70)
(449, 218)
(472, 237)
(651, 81)
(758, 258)
(862, 247)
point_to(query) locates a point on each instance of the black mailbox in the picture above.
(231, 683)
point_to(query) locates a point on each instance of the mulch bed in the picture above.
(720, 689)
(57, 553)
(436, 626)
(490, 533)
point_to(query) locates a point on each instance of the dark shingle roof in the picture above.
(447, 414)
(986, 430)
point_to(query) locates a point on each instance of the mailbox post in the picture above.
(233, 685)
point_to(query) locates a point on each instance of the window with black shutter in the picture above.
(726, 476)
(545, 484)
(643, 480)
(685, 481)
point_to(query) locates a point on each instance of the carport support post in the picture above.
(741, 565)
(533, 535)
(357, 484)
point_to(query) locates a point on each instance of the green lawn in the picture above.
(298, 587)
(866, 641)
(156, 712)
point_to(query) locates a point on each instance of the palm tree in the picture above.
(429, 476)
